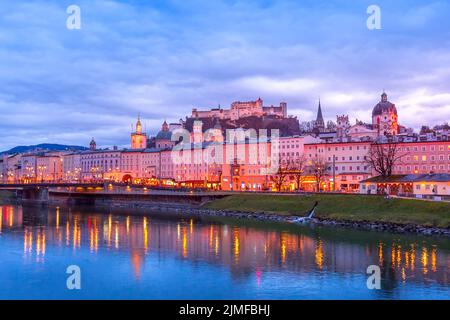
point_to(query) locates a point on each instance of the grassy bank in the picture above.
(342, 207)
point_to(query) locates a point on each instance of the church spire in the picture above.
(319, 113)
(320, 124)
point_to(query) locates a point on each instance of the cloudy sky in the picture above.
(160, 58)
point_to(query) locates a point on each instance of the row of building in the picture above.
(216, 159)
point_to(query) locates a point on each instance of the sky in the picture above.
(161, 58)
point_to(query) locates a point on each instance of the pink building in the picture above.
(423, 157)
(346, 162)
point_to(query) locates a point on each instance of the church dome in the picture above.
(164, 135)
(384, 106)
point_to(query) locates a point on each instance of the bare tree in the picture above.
(297, 168)
(382, 157)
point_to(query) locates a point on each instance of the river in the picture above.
(132, 254)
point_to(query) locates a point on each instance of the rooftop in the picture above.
(432, 177)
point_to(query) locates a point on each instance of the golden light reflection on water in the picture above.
(145, 227)
(211, 235)
(91, 239)
(76, 239)
(27, 241)
(67, 232)
(109, 230)
(41, 243)
(185, 245)
(283, 248)
(433, 260)
(413, 256)
(380, 254)
(399, 255)
(236, 244)
(57, 218)
(319, 255)
(424, 260)
(11, 218)
(216, 244)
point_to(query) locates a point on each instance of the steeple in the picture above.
(320, 124)
(319, 113)
(139, 125)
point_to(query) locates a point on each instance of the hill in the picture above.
(43, 147)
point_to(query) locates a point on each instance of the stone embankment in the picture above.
(271, 217)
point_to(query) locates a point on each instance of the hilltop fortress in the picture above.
(242, 110)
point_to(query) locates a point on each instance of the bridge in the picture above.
(48, 185)
(105, 194)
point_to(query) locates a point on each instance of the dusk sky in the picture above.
(161, 58)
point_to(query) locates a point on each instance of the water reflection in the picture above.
(244, 250)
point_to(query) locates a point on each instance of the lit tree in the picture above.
(318, 168)
(297, 169)
(279, 178)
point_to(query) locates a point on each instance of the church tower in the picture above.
(138, 138)
(319, 124)
(342, 125)
(92, 145)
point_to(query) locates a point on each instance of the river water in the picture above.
(132, 254)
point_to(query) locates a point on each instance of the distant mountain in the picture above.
(43, 147)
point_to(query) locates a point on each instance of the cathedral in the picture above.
(384, 117)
